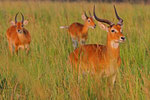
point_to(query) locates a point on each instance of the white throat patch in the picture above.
(114, 44)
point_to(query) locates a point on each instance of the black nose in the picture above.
(19, 31)
(123, 38)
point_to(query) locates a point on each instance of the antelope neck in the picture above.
(85, 28)
(113, 49)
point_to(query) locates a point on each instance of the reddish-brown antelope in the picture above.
(18, 36)
(79, 32)
(103, 60)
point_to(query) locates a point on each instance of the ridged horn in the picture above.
(102, 20)
(120, 20)
(16, 17)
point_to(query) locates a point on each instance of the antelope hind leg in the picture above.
(75, 43)
(82, 42)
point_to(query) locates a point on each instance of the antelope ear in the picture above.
(122, 26)
(25, 22)
(12, 23)
(84, 17)
(93, 17)
(102, 26)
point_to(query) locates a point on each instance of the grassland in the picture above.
(44, 74)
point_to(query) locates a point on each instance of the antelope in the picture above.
(79, 32)
(17, 36)
(102, 60)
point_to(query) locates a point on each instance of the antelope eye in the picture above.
(112, 30)
(21, 25)
(89, 20)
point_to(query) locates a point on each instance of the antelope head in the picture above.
(114, 30)
(89, 22)
(19, 25)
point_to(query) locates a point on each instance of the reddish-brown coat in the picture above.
(100, 59)
(18, 40)
(79, 31)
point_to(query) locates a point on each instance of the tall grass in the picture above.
(44, 74)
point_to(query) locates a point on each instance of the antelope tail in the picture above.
(64, 27)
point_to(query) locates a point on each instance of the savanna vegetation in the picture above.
(44, 74)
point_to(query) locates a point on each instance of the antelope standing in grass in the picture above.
(79, 32)
(17, 36)
(103, 60)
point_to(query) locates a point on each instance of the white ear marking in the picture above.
(84, 17)
(93, 17)
(121, 30)
(12, 23)
(25, 22)
(104, 27)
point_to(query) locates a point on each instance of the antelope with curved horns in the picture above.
(79, 32)
(17, 36)
(103, 60)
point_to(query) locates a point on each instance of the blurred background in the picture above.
(44, 74)
(129, 1)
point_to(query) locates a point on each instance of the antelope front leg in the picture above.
(11, 48)
(113, 79)
(16, 49)
(27, 49)
(75, 43)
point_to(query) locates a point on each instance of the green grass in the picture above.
(44, 74)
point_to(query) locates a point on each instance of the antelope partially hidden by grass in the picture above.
(103, 60)
(18, 36)
(79, 32)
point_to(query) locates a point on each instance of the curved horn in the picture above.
(22, 17)
(120, 20)
(85, 15)
(102, 20)
(16, 17)
(90, 14)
